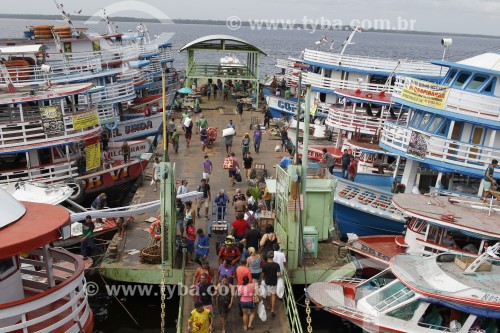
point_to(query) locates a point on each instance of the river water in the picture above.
(110, 316)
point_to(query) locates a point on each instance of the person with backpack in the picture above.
(229, 252)
(205, 200)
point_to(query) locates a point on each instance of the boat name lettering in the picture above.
(133, 149)
(97, 181)
(138, 127)
(490, 298)
(287, 106)
(374, 252)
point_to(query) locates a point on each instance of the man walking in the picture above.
(329, 160)
(346, 160)
(88, 240)
(271, 271)
(205, 200)
(207, 168)
(352, 169)
(488, 179)
(257, 139)
(232, 169)
(202, 247)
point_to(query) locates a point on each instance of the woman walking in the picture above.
(191, 237)
(267, 241)
(245, 144)
(248, 164)
(254, 262)
(246, 295)
(190, 213)
(203, 269)
(224, 300)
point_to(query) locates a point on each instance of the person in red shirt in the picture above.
(239, 227)
(243, 271)
(352, 169)
(229, 252)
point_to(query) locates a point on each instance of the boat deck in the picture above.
(470, 215)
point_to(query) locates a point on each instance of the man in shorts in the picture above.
(232, 170)
(488, 179)
(271, 271)
(205, 200)
(207, 168)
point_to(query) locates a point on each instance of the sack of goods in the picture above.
(187, 122)
(228, 131)
(228, 163)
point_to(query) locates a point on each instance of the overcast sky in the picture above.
(460, 16)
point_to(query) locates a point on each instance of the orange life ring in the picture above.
(212, 133)
(155, 227)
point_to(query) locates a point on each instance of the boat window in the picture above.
(443, 128)
(450, 77)
(390, 295)
(7, 266)
(476, 82)
(434, 124)
(462, 77)
(425, 120)
(489, 87)
(417, 118)
(405, 312)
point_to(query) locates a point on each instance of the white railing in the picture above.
(117, 92)
(107, 113)
(51, 173)
(352, 121)
(164, 55)
(463, 102)
(471, 156)
(66, 301)
(14, 136)
(409, 67)
(60, 72)
(318, 81)
(284, 63)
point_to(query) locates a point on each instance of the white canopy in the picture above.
(20, 49)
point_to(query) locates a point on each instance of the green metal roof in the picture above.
(222, 43)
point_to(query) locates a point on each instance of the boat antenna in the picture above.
(66, 17)
(349, 39)
(111, 25)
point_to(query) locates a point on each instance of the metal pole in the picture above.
(299, 109)
(164, 98)
(305, 146)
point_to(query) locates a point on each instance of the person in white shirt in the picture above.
(183, 188)
(279, 257)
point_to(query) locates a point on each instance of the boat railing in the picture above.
(107, 113)
(433, 327)
(66, 300)
(341, 279)
(352, 121)
(165, 55)
(48, 173)
(290, 305)
(59, 72)
(401, 295)
(318, 81)
(372, 64)
(355, 314)
(471, 156)
(463, 102)
(16, 134)
(284, 63)
(116, 92)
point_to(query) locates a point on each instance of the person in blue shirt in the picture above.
(221, 202)
(346, 160)
(257, 139)
(202, 247)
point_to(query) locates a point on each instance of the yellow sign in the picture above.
(85, 120)
(424, 93)
(93, 156)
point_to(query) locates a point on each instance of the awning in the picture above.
(18, 49)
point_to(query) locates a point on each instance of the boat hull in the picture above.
(352, 220)
(137, 128)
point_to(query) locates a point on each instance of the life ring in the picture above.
(212, 133)
(77, 188)
(154, 228)
(112, 128)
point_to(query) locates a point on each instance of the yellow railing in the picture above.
(290, 306)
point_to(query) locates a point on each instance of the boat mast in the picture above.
(349, 39)
(66, 17)
(110, 25)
